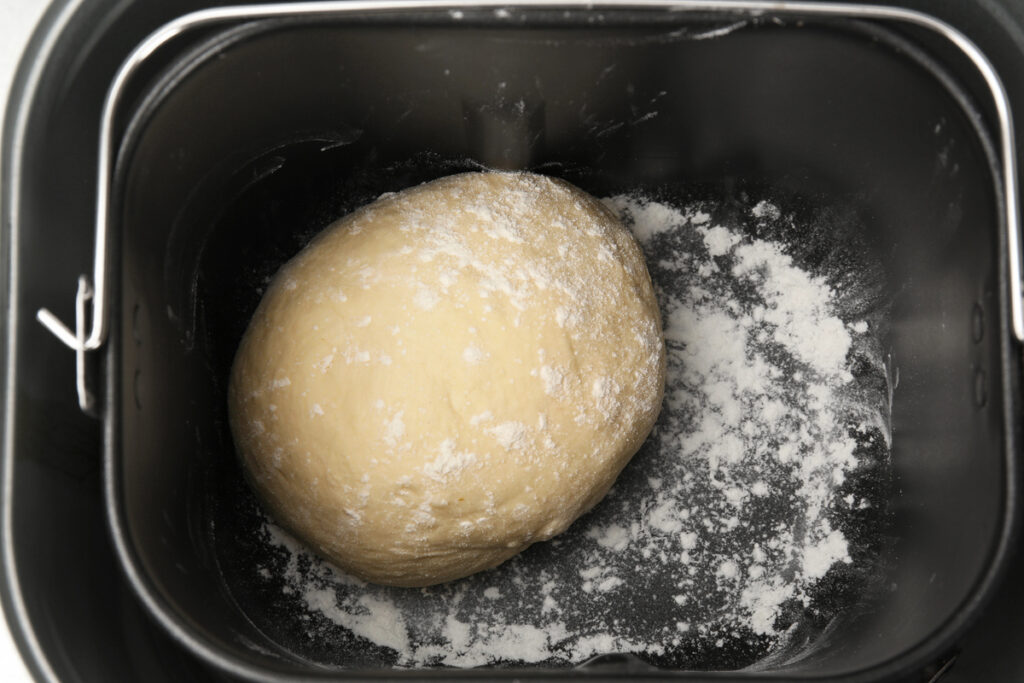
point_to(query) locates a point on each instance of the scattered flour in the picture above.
(722, 526)
(394, 429)
(511, 435)
(448, 461)
(474, 354)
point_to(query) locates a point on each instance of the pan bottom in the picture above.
(753, 517)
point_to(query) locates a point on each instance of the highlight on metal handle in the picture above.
(77, 340)
(93, 293)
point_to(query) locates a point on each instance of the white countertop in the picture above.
(17, 19)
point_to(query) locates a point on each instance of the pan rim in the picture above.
(931, 646)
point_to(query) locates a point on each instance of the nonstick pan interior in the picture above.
(273, 130)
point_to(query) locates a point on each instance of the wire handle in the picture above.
(77, 340)
(92, 293)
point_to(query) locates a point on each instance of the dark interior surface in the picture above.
(828, 112)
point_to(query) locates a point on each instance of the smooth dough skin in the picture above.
(449, 375)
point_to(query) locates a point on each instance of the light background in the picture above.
(17, 19)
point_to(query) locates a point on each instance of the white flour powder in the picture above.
(718, 531)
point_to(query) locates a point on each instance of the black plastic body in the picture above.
(832, 109)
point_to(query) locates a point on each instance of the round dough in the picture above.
(449, 375)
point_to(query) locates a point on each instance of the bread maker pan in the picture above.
(226, 124)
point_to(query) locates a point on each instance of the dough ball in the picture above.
(448, 375)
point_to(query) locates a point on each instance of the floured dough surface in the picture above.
(449, 375)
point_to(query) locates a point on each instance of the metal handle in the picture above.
(91, 296)
(76, 340)
(93, 293)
